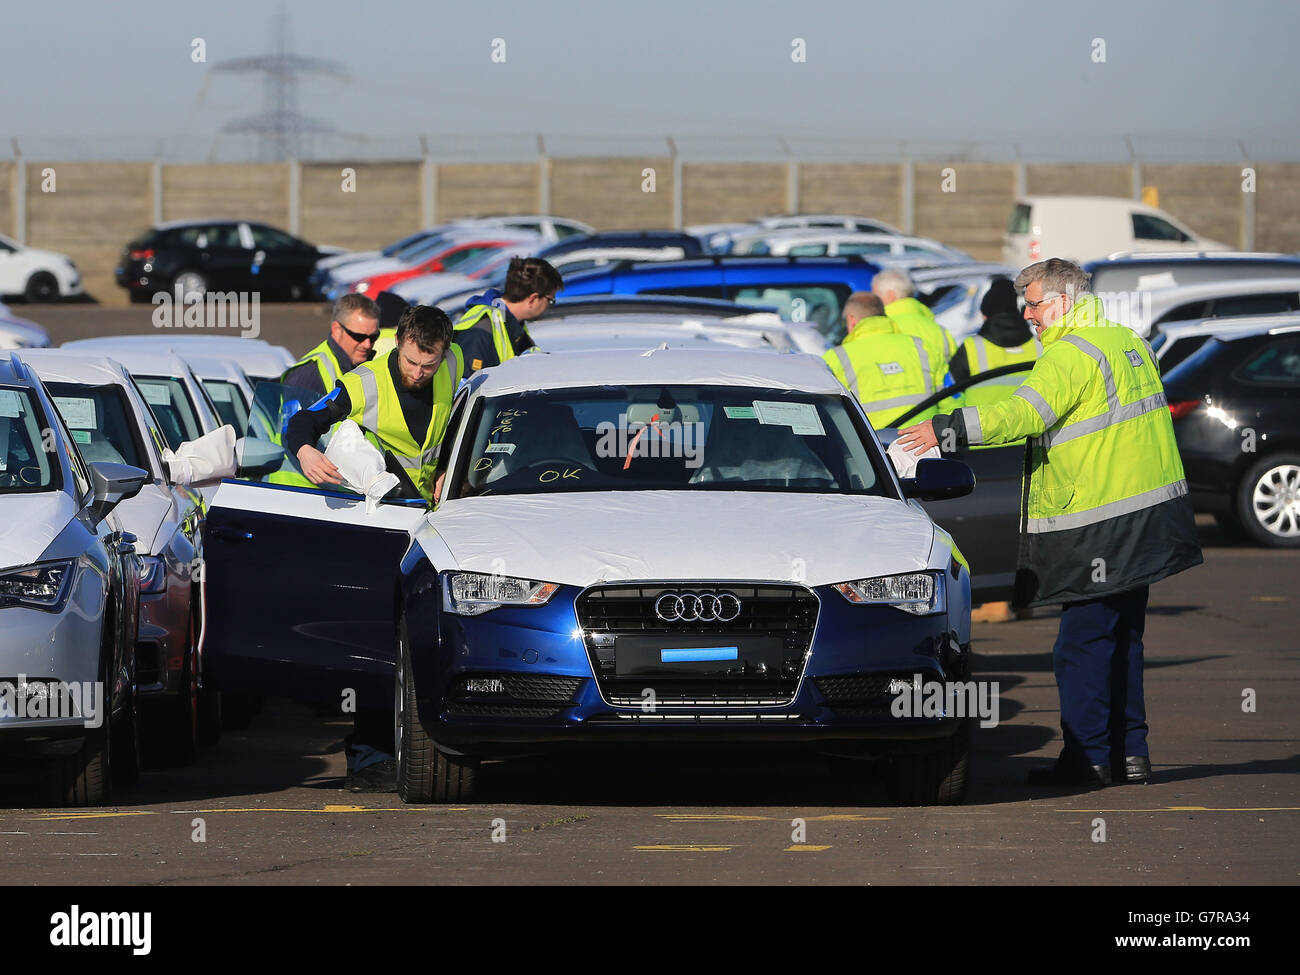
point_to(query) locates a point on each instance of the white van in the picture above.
(1087, 228)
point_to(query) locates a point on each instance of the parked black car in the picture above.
(1236, 409)
(985, 524)
(217, 255)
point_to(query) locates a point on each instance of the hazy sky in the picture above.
(1183, 77)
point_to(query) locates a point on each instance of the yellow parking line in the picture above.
(805, 848)
(682, 848)
(88, 814)
(1193, 809)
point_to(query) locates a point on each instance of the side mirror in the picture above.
(938, 479)
(258, 458)
(113, 484)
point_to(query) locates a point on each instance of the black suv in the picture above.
(199, 256)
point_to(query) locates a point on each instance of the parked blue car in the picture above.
(802, 289)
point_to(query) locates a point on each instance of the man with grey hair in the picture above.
(895, 289)
(354, 329)
(1105, 512)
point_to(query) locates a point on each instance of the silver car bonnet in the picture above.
(29, 523)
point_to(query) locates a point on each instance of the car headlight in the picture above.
(472, 593)
(153, 573)
(918, 593)
(40, 586)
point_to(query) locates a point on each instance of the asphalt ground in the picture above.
(267, 806)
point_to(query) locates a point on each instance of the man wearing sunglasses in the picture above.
(354, 328)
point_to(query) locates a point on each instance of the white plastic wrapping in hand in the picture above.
(904, 461)
(360, 464)
(203, 461)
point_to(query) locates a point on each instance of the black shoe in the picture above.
(1136, 768)
(1062, 774)
(380, 777)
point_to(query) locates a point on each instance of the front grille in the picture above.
(771, 637)
(861, 695)
(521, 696)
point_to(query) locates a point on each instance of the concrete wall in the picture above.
(1277, 206)
(724, 192)
(373, 204)
(614, 194)
(871, 189)
(90, 213)
(97, 207)
(965, 204)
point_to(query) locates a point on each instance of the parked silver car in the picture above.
(110, 421)
(69, 602)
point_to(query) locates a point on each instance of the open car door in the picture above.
(985, 523)
(300, 580)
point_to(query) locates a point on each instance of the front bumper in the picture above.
(544, 693)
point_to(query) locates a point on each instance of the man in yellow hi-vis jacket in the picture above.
(1105, 512)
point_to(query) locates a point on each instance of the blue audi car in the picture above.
(631, 547)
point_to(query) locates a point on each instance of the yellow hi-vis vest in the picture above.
(323, 357)
(1105, 505)
(983, 355)
(375, 407)
(501, 343)
(913, 318)
(886, 370)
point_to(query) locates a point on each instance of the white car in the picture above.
(20, 333)
(1087, 228)
(819, 242)
(35, 274)
(632, 549)
(261, 361)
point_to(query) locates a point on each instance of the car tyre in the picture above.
(127, 760)
(936, 776)
(424, 772)
(176, 731)
(1268, 501)
(191, 283)
(84, 778)
(238, 710)
(42, 286)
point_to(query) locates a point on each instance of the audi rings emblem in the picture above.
(692, 607)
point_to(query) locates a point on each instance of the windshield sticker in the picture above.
(500, 448)
(801, 418)
(81, 436)
(78, 412)
(739, 412)
(11, 404)
(156, 395)
(220, 392)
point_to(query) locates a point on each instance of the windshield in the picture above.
(228, 400)
(690, 437)
(24, 463)
(99, 421)
(171, 404)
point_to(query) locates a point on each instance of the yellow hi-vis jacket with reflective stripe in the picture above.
(913, 318)
(329, 367)
(501, 343)
(886, 370)
(983, 355)
(1104, 505)
(375, 407)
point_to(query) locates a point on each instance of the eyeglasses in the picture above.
(1042, 301)
(549, 299)
(360, 337)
